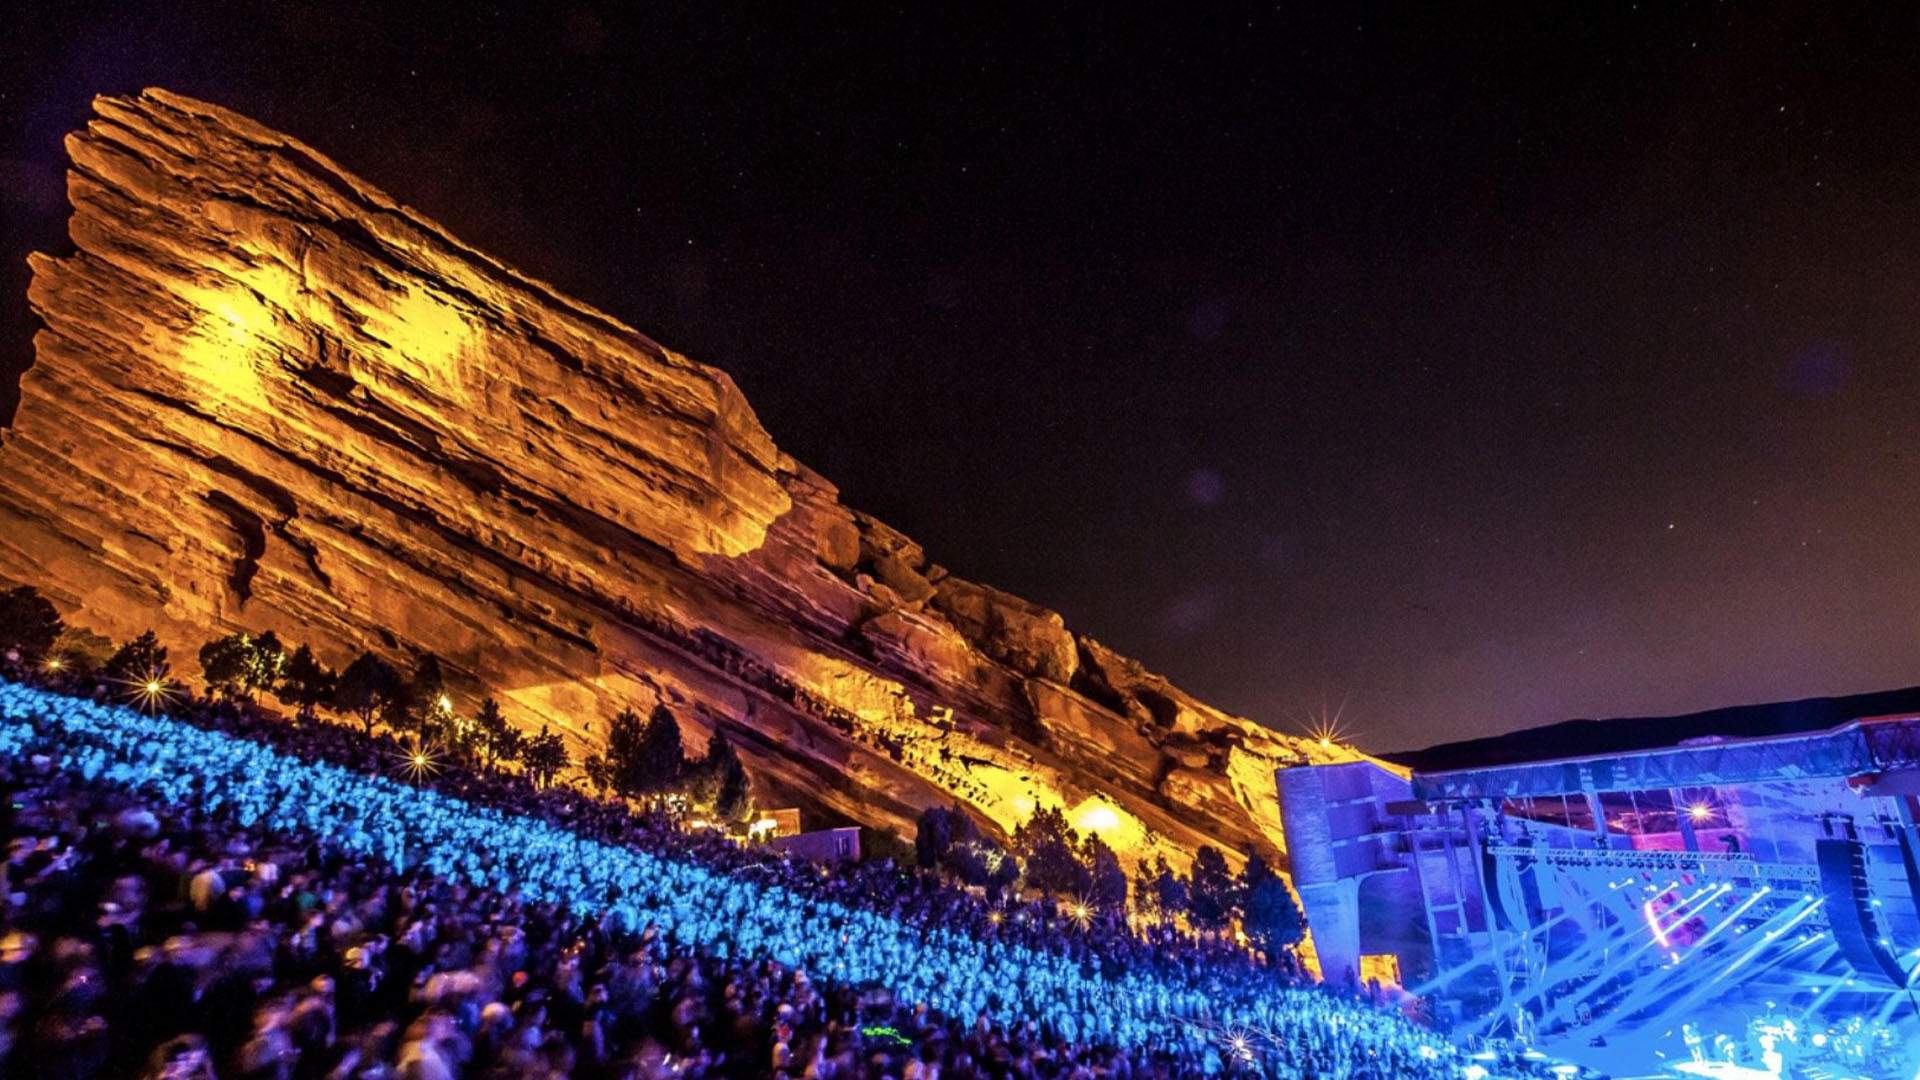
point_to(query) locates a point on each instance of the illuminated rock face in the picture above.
(268, 396)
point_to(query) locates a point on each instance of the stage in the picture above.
(1713, 905)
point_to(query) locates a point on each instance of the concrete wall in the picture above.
(1342, 844)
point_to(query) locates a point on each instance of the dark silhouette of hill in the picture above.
(1586, 737)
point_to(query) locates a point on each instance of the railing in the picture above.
(1712, 864)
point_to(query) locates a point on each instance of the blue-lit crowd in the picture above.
(214, 892)
(1778, 1042)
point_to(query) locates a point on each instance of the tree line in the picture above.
(1049, 856)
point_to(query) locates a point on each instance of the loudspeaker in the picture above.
(1843, 879)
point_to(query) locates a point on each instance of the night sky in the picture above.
(1475, 369)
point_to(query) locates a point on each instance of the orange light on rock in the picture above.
(231, 333)
(1118, 829)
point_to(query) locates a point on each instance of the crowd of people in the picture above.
(1785, 1042)
(218, 892)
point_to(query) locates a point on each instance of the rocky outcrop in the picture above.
(266, 395)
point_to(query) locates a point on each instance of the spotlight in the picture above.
(149, 693)
(1081, 913)
(419, 763)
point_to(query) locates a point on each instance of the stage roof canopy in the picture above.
(1818, 737)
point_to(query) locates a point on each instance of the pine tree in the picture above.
(1268, 912)
(626, 748)
(1003, 869)
(139, 660)
(662, 758)
(1107, 888)
(420, 706)
(240, 665)
(1048, 848)
(733, 797)
(305, 683)
(1210, 890)
(1146, 902)
(717, 784)
(546, 756)
(1170, 894)
(513, 747)
(932, 836)
(965, 855)
(141, 669)
(492, 732)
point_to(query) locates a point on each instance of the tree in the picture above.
(1107, 888)
(460, 737)
(966, 862)
(546, 756)
(1145, 903)
(932, 836)
(29, 624)
(428, 686)
(1268, 912)
(239, 665)
(701, 784)
(599, 772)
(366, 689)
(492, 733)
(1169, 893)
(1047, 846)
(734, 803)
(662, 759)
(626, 753)
(971, 858)
(718, 784)
(139, 660)
(140, 667)
(1003, 870)
(225, 663)
(269, 663)
(1211, 890)
(513, 746)
(421, 705)
(305, 683)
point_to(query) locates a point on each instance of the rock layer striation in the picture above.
(268, 396)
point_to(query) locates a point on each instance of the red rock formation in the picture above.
(268, 396)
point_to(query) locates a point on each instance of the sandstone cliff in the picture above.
(268, 396)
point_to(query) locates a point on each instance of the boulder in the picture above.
(266, 395)
(1025, 636)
